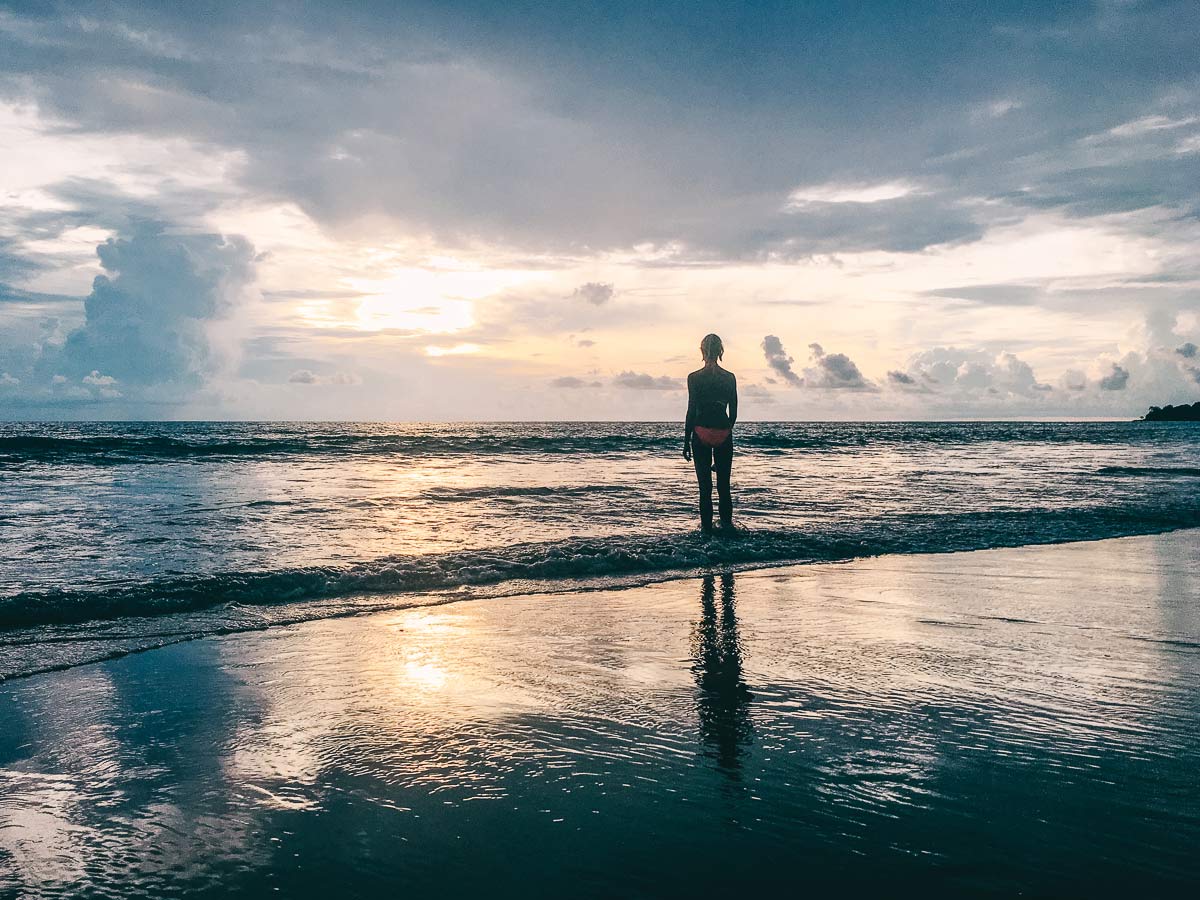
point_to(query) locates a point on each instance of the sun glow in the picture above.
(456, 350)
(438, 299)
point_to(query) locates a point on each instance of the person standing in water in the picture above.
(708, 430)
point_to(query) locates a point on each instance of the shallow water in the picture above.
(233, 525)
(1020, 720)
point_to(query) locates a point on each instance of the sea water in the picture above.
(116, 537)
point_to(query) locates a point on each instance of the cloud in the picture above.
(504, 136)
(834, 371)
(1116, 380)
(96, 379)
(146, 319)
(778, 359)
(7, 380)
(757, 393)
(1187, 351)
(479, 127)
(594, 292)
(1147, 124)
(974, 372)
(639, 381)
(849, 193)
(15, 263)
(1073, 380)
(570, 382)
(307, 376)
(991, 294)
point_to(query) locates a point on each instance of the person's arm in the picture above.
(733, 402)
(688, 422)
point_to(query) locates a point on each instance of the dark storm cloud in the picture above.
(1116, 380)
(897, 377)
(640, 381)
(1187, 351)
(582, 127)
(778, 359)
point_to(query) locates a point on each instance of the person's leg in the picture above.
(702, 459)
(723, 460)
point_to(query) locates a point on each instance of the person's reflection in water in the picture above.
(723, 698)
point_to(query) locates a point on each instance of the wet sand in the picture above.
(1009, 720)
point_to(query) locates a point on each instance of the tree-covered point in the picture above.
(1168, 413)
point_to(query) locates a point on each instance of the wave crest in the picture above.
(588, 558)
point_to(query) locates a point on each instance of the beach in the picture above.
(992, 722)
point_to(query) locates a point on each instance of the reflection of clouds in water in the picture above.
(723, 700)
(121, 778)
(37, 832)
(43, 828)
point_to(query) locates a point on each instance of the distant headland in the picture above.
(1168, 413)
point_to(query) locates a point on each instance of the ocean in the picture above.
(118, 537)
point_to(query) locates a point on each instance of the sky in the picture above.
(536, 210)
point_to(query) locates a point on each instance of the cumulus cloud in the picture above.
(1115, 380)
(778, 359)
(147, 319)
(1073, 380)
(7, 380)
(829, 371)
(308, 376)
(834, 371)
(756, 393)
(902, 381)
(595, 292)
(967, 372)
(640, 381)
(97, 380)
(571, 382)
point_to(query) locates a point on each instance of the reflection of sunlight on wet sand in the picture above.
(437, 662)
(425, 675)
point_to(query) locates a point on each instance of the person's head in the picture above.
(711, 348)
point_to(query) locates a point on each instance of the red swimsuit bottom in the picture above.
(712, 437)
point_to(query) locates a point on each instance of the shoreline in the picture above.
(354, 605)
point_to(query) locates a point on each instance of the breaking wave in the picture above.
(586, 558)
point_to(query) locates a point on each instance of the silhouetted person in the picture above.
(708, 430)
(723, 698)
